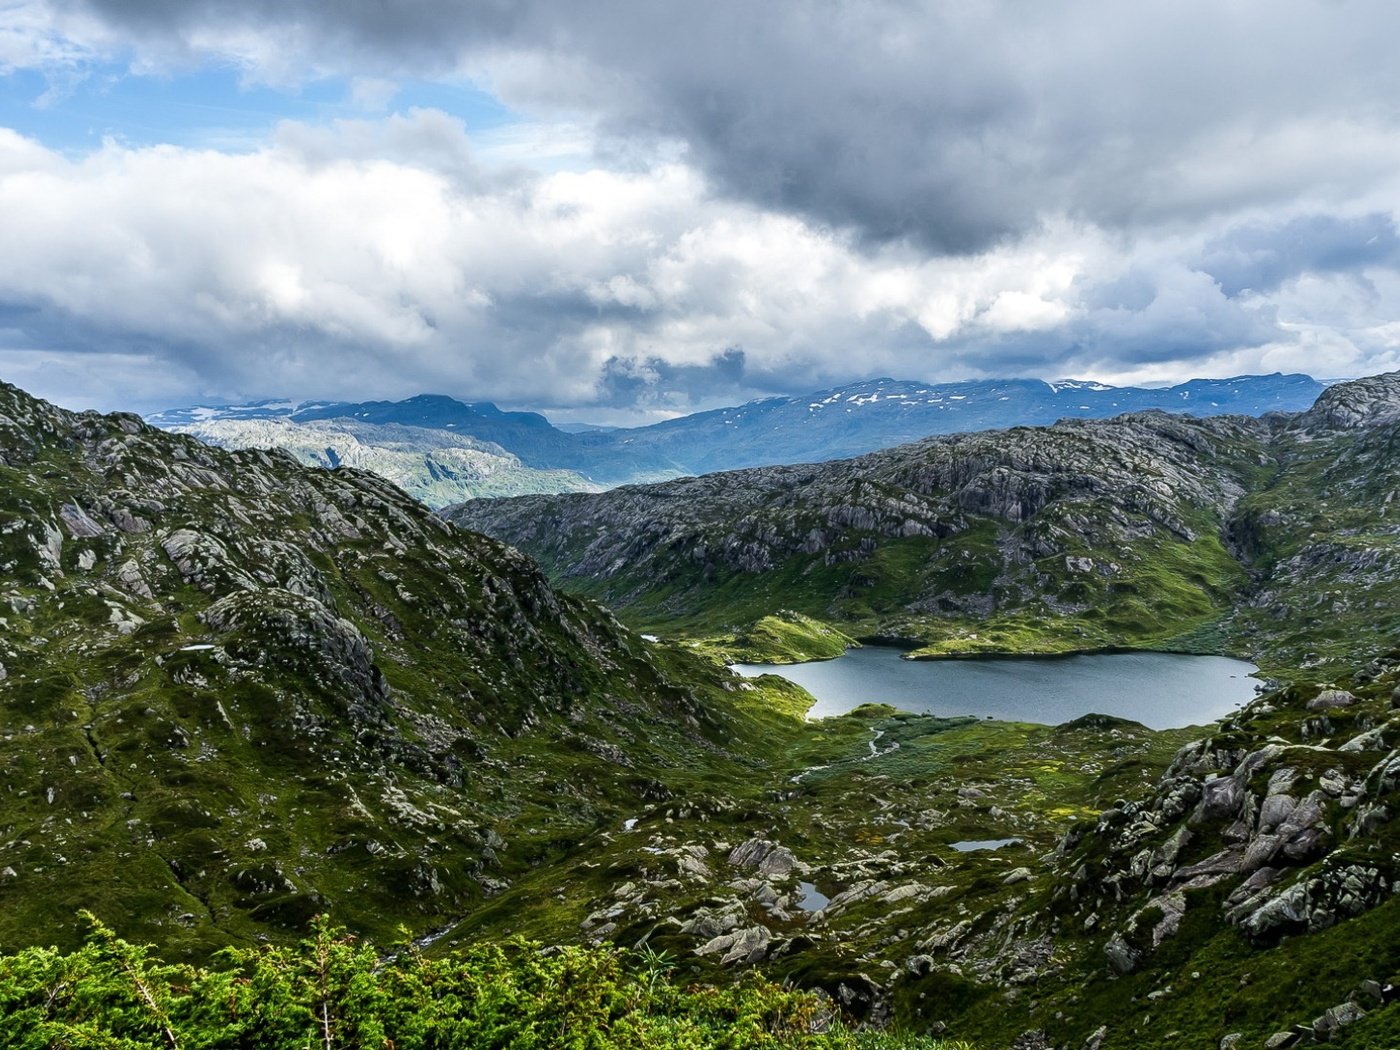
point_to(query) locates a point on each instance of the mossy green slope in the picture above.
(237, 692)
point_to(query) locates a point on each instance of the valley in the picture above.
(730, 526)
(238, 692)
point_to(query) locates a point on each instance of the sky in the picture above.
(623, 210)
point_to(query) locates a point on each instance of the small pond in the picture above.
(1160, 690)
(812, 899)
(976, 845)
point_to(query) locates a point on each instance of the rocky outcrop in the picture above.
(1370, 402)
(739, 948)
(768, 859)
(1270, 821)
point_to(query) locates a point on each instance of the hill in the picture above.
(1267, 537)
(218, 719)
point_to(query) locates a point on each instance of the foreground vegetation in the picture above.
(331, 990)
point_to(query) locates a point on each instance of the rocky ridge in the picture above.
(828, 424)
(1145, 529)
(1055, 521)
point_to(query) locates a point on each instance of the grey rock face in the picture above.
(1150, 469)
(1370, 402)
(739, 948)
(768, 858)
(1330, 698)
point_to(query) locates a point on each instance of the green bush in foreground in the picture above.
(331, 991)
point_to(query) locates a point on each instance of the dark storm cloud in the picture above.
(653, 382)
(953, 125)
(1260, 257)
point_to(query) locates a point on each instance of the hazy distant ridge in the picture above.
(829, 424)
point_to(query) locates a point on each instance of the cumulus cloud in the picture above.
(379, 257)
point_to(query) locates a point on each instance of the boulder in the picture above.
(1372, 740)
(1275, 811)
(1326, 1027)
(1172, 907)
(1221, 797)
(1330, 698)
(919, 965)
(709, 923)
(690, 862)
(131, 579)
(768, 858)
(1122, 957)
(740, 947)
(80, 525)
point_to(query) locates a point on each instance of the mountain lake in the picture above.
(1160, 690)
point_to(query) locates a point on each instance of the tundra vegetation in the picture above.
(268, 718)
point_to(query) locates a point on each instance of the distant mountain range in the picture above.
(830, 424)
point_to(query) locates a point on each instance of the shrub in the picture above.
(333, 992)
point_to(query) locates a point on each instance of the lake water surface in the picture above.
(1160, 690)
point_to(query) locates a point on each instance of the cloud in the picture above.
(1259, 257)
(705, 202)
(654, 382)
(383, 258)
(955, 126)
